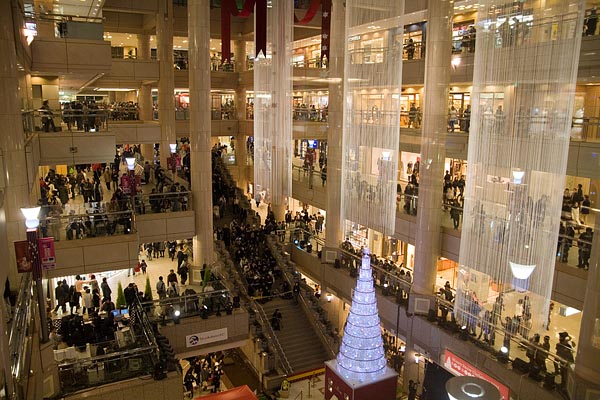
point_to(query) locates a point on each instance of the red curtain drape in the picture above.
(310, 14)
(229, 8)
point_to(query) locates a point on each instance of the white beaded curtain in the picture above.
(273, 107)
(372, 87)
(526, 58)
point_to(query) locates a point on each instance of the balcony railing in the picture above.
(88, 225)
(207, 304)
(162, 202)
(216, 114)
(311, 114)
(569, 249)
(492, 336)
(133, 353)
(311, 63)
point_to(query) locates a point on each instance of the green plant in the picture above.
(120, 296)
(148, 289)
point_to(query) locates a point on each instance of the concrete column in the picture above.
(143, 46)
(239, 51)
(145, 102)
(333, 223)
(278, 211)
(166, 83)
(433, 141)
(587, 362)
(16, 193)
(240, 138)
(147, 152)
(200, 129)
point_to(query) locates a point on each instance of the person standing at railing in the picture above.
(452, 118)
(47, 117)
(410, 49)
(467, 118)
(412, 115)
(591, 21)
(455, 213)
(585, 248)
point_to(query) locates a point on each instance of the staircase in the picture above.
(297, 337)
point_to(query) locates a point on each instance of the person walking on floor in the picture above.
(161, 288)
(106, 290)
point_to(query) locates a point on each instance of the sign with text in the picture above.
(460, 367)
(47, 255)
(199, 339)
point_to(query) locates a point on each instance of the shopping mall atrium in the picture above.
(330, 199)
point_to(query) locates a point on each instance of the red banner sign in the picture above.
(47, 254)
(460, 367)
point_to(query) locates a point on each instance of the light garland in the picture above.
(273, 108)
(361, 357)
(526, 59)
(372, 123)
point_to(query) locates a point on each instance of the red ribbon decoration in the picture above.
(229, 8)
(310, 14)
(325, 29)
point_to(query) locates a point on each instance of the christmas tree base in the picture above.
(337, 387)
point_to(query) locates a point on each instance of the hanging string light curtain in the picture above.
(372, 87)
(273, 107)
(526, 58)
(361, 357)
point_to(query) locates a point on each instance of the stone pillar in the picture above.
(145, 102)
(240, 137)
(148, 153)
(333, 223)
(200, 130)
(145, 92)
(278, 211)
(143, 46)
(587, 362)
(16, 193)
(166, 83)
(433, 141)
(239, 52)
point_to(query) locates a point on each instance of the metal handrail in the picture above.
(273, 337)
(20, 336)
(264, 322)
(49, 16)
(316, 62)
(323, 335)
(497, 330)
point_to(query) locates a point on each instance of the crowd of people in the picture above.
(482, 324)
(204, 373)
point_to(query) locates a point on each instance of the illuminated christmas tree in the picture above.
(361, 357)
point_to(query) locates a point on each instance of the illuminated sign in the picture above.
(460, 367)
